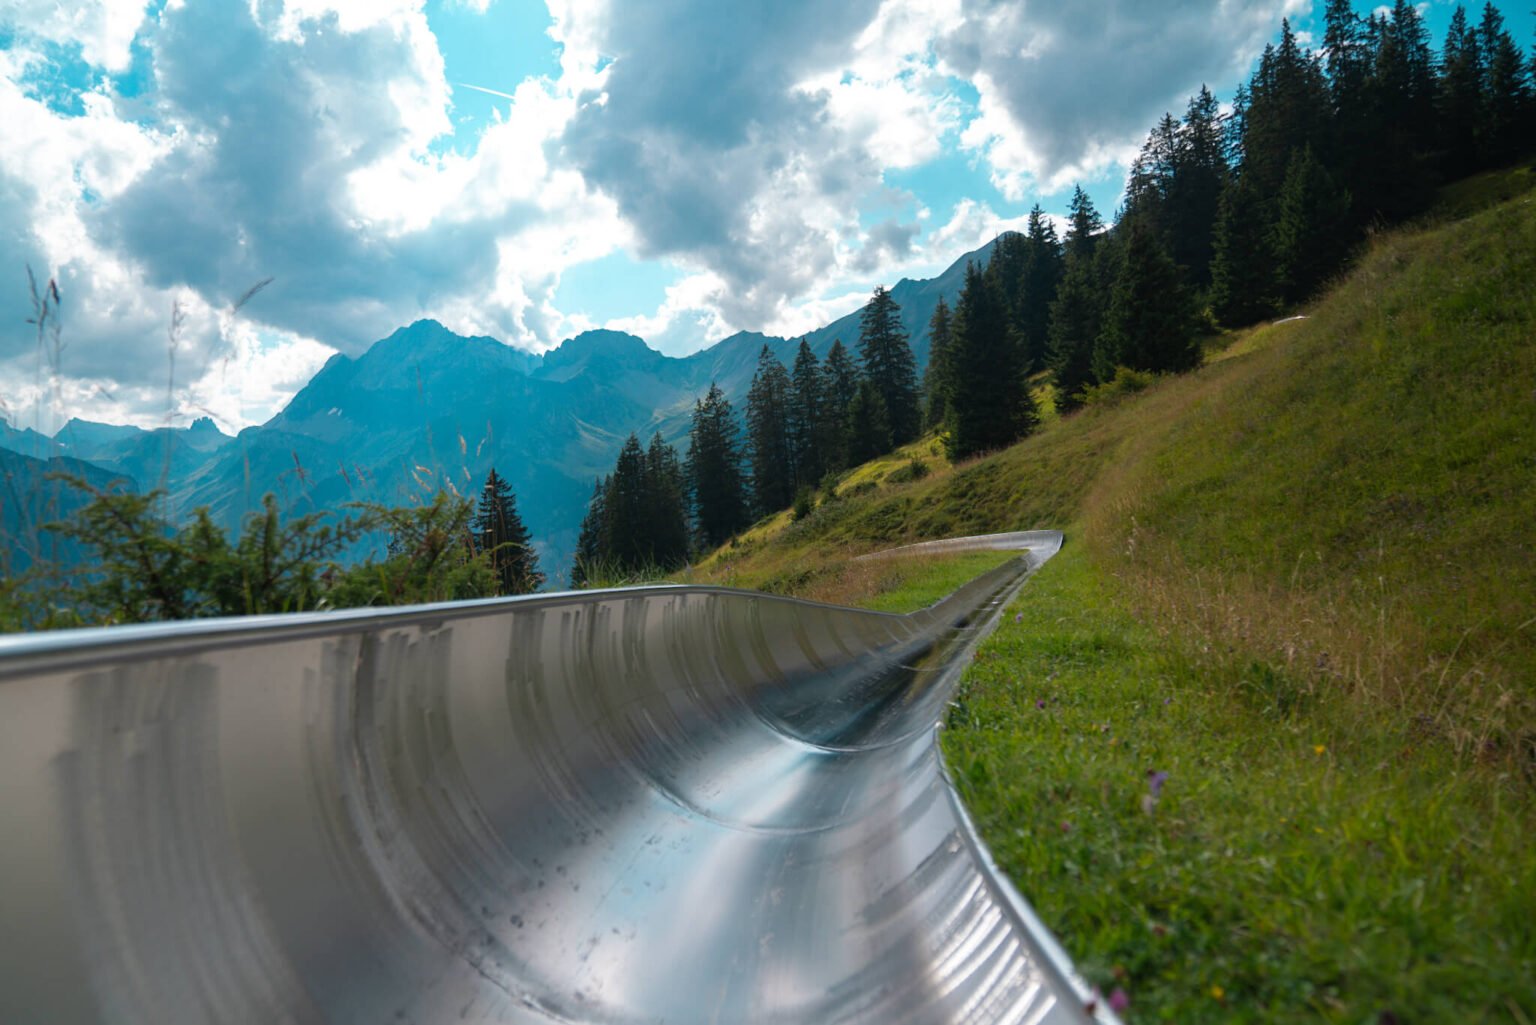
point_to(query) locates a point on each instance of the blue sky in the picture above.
(681, 169)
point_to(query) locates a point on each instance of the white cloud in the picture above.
(303, 140)
(255, 377)
(104, 29)
(1067, 90)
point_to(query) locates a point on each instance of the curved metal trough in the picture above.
(673, 804)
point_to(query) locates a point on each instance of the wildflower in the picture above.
(1155, 781)
(1039, 702)
(1319, 749)
(1217, 993)
(1018, 617)
(1118, 1000)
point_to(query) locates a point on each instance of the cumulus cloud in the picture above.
(103, 29)
(711, 151)
(291, 141)
(314, 142)
(1067, 89)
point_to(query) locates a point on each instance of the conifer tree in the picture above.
(1306, 241)
(889, 365)
(869, 426)
(1193, 194)
(813, 422)
(1396, 174)
(499, 532)
(590, 545)
(769, 434)
(936, 376)
(1288, 108)
(1243, 267)
(1150, 321)
(667, 505)
(714, 471)
(1460, 94)
(1084, 224)
(842, 384)
(989, 404)
(626, 529)
(1349, 64)
(1506, 89)
(636, 521)
(1076, 317)
(1039, 278)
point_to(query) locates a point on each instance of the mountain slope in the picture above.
(30, 500)
(426, 408)
(1261, 741)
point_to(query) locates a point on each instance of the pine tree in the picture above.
(666, 504)
(1243, 267)
(869, 426)
(627, 535)
(842, 385)
(768, 434)
(1194, 192)
(1076, 316)
(1150, 322)
(1288, 108)
(1508, 93)
(1396, 176)
(813, 422)
(889, 365)
(936, 376)
(1461, 101)
(500, 532)
(1307, 244)
(714, 471)
(590, 544)
(1084, 226)
(1350, 60)
(989, 404)
(1039, 279)
(636, 521)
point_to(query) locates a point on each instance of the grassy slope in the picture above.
(1301, 581)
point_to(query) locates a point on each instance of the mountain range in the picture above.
(426, 408)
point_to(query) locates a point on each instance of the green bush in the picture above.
(915, 469)
(1125, 383)
(805, 502)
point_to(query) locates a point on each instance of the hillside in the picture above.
(1301, 582)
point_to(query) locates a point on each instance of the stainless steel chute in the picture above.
(674, 804)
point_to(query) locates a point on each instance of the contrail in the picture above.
(483, 89)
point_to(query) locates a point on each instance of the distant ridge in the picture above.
(426, 408)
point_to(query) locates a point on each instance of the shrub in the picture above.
(805, 502)
(915, 469)
(1125, 383)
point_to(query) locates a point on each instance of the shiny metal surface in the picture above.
(648, 805)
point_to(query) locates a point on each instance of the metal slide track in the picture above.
(661, 804)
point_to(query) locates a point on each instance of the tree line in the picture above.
(143, 570)
(1227, 218)
(1230, 218)
(802, 426)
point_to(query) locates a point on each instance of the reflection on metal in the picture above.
(669, 804)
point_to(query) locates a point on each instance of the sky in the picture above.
(679, 169)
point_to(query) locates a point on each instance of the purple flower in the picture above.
(1018, 617)
(1039, 702)
(1118, 1000)
(1155, 781)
